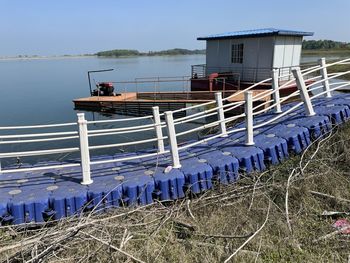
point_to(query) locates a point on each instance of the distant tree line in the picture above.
(307, 45)
(118, 53)
(324, 44)
(132, 52)
(176, 51)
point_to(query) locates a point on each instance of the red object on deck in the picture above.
(212, 76)
(106, 84)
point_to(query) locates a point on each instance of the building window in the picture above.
(237, 53)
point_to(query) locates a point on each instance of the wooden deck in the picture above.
(142, 102)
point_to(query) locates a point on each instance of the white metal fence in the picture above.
(166, 131)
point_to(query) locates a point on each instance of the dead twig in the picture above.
(287, 198)
(189, 209)
(113, 247)
(329, 196)
(221, 236)
(251, 237)
(330, 235)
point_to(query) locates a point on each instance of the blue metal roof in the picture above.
(256, 33)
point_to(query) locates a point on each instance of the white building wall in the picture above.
(257, 53)
(265, 58)
(287, 51)
(262, 53)
(298, 43)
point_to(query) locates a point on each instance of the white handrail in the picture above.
(247, 89)
(219, 109)
(122, 144)
(238, 104)
(120, 132)
(278, 116)
(123, 129)
(193, 107)
(205, 113)
(195, 118)
(330, 84)
(329, 78)
(202, 127)
(40, 140)
(38, 126)
(36, 153)
(40, 168)
(326, 66)
(283, 99)
(180, 120)
(121, 120)
(32, 135)
(333, 89)
(233, 118)
(128, 158)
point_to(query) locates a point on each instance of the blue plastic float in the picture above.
(53, 194)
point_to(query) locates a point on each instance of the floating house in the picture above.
(250, 55)
(234, 61)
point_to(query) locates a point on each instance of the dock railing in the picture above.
(153, 84)
(165, 132)
(251, 74)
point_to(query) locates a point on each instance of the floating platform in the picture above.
(139, 103)
(57, 193)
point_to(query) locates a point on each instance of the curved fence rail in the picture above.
(166, 132)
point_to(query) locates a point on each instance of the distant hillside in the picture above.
(325, 45)
(131, 52)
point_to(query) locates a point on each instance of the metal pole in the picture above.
(221, 114)
(324, 75)
(248, 96)
(275, 87)
(84, 149)
(155, 90)
(158, 86)
(183, 84)
(224, 86)
(303, 91)
(172, 139)
(158, 129)
(89, 83)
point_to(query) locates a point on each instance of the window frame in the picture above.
(237, 53)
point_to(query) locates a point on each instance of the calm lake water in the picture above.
(40, 91)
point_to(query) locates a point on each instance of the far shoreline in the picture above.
(44, 57)
(59, 57)
(87, 56)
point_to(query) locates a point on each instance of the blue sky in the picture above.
(57, 27)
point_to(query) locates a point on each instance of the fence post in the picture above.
(324, 76)
(303, 91)
(248, 96)
(158, 128)
(275, 87)
(84, 149)
(172, 139)
(221, 114)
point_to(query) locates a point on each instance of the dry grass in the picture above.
(275, 216)
(340, 68)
